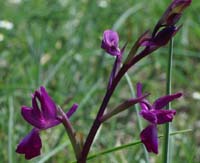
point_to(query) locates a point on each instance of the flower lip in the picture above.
(149, 137)
(30, 145)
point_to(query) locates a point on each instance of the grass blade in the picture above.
(166, 147)
(10, 130)
(53, 152)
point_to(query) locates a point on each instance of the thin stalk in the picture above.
(70, 131)
(10, 130)
(166, 155)
(139, 121)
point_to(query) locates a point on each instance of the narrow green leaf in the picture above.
(166, 147)
(10, 130)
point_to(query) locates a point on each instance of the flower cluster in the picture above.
(42, 115)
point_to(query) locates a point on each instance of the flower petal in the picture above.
(110, 42)
(149, 116)
(48, 106)
(163, 101)
(149, 137)
(30, 145)
(164, 116)
(72, 110)
(32, 116)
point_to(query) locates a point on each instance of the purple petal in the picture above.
(72, 110)
(139, 94)
(149, 137)
(164, 116)
(33, 117)
(48, 106)
(44, 117)
(163, 101)
(149, 116)
(30, 145)
(111, 38)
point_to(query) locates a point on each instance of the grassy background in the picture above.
(57, 44)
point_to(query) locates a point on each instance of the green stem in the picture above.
(70, 131)
(10, 130)
(139, 121)
(166, 155)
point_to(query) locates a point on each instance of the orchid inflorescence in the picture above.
(45, 114)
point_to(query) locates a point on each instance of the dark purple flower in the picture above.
(42, 115)
(155, 114)
(43, 112)
(173, 12)
(110, 42)
(30, 145)
(149, 137)
(161, 38)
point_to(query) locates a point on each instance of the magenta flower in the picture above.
(155, 114)
(42, 115)
(110, 42)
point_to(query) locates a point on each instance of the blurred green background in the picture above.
(57, 44)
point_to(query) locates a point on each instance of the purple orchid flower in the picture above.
(110, 42)
(155, 114)
(42, 115)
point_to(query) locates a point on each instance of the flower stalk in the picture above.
(70, 131)
(97, 122)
